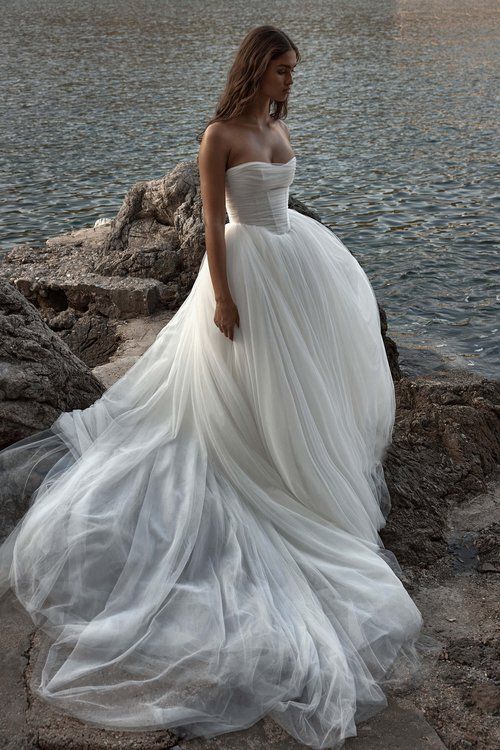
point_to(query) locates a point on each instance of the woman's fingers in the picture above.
(229, 331)
(228, 328)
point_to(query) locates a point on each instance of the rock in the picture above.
(39, 375)
(391, 349)
(486, 697)
(115, 297)
(172, 202)
(63, 321)
(135, 336)
(152, 252)
(92, 338)
(482, 654)
(446, 443)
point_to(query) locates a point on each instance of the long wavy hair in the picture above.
(258, 47)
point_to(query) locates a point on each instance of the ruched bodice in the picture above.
(257, 193)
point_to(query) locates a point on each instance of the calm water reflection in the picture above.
(392, 115)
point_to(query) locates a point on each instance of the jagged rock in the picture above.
(113, 296)
(62, 321)
(92, 338)
(173, 201)
(39, 375)
(486, 697)
(152, 252)
(446, 443)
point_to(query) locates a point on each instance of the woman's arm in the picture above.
(212, 160)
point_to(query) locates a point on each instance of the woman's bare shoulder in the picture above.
(221, 137)
(216, 133)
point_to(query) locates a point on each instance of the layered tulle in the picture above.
(201, 544)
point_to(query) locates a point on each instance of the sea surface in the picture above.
(393, 116)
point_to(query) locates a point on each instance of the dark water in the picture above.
(393, 115)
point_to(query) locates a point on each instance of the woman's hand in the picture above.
(226, 317)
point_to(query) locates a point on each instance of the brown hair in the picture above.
(258, 47)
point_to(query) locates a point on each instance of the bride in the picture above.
(201, 545)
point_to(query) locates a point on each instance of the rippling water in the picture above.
(393, 115)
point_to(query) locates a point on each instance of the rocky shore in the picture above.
(78, 311)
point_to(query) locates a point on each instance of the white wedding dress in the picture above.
(201, 544)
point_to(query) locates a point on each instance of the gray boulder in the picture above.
(40, 377)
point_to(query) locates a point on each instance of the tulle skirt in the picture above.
(200, 545)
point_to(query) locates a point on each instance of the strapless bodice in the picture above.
(257, 193)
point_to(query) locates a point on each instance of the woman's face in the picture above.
(278, 78)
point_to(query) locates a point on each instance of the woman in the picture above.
(202, 544)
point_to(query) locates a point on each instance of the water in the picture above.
(393, 116)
